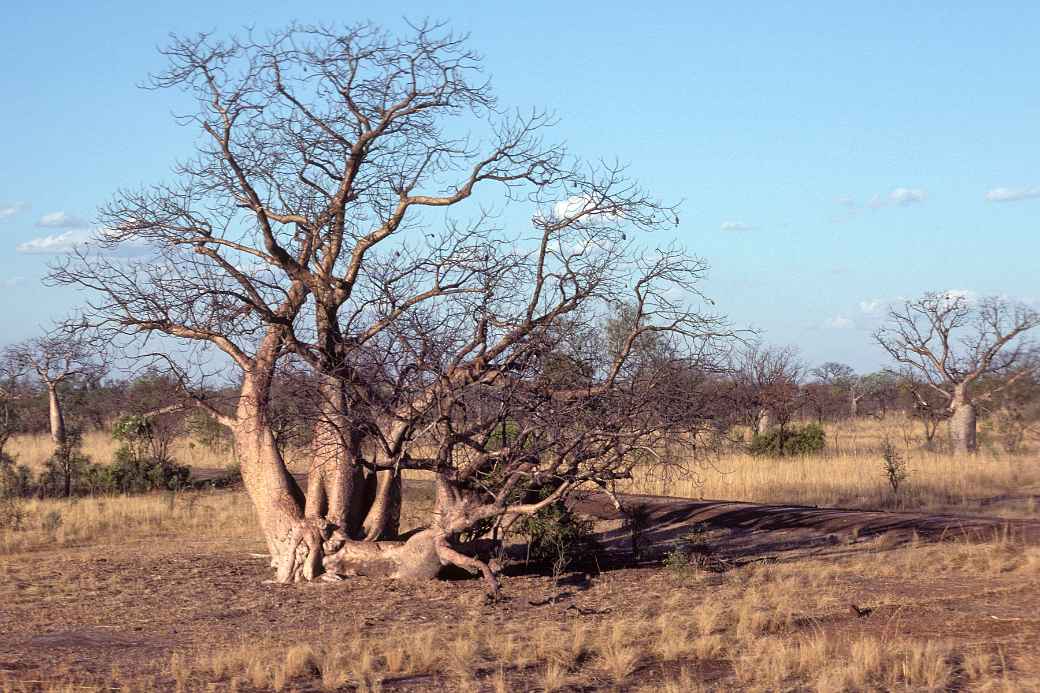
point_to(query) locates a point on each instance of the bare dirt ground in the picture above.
(149, 615)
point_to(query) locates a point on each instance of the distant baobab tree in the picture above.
(951, 342)
(844, 379)
(62, 355)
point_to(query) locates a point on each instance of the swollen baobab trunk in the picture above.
(339, 491)
(763, 422)
(335, 480)
(275, 494)
(57, 416)
(962, 423)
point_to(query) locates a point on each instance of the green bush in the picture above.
(64, 471)
(208, 431)
(778, 442)
(556, 537)
(140, 464)
(129, 473)
(15, 479)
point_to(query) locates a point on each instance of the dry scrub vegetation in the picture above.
(766, 627)
(932, 617)
(849, 473)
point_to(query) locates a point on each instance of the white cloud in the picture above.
(966, 295)
(736, 226)
(1012, 194)
(571, 207)
(872, 306)
(60, 220)
(840, 322)
(57, 244)
(899, 197)
(575, 205)
(907, 196)
(9, 210)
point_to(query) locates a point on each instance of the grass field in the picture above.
(160, 592)
(849, 473)
(163, 592)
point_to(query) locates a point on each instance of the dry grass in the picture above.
(34, 524)
(849, 474)
(100, 447)
(781, 626)
(763, 627)
(740, 639)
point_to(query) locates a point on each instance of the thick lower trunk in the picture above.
(384, 515)
(853, 406)
(334, 476)
(963, 427)
(764, 422)
(275, 494)
(57, 416)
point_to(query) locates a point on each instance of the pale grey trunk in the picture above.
(384, 515)
(423, 554)
(764, 421)
(334, 476)
(853, 406)
(963, 426)
(274, 492)
(57, 416)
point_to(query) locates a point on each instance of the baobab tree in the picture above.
(312, 223)
(844, 379)
(765, 385)
(62, 355)
(952, 342)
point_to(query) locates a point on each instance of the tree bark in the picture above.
(764, 421)
(423, 555)
(57, 416)
(962, 425)
(275, 494)
(384, 515)
(335, 476)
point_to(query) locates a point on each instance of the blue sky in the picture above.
(830, 158)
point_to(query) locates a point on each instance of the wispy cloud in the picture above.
(1012, 194)
(736, 226)
(8, 210)
(872, 306)
(839, 322)
(897, 197)
(60, 220)
(966, 295)
(11, 282)
(57, 244)
(908, 196)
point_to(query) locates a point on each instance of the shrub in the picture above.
(15, 480)
(129, 473)
(556, 537)
(12, 515)
(778, 442)
(894, 466)
(141, 463)
(64, 471)
(208, 431)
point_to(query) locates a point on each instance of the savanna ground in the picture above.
(167, 592)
